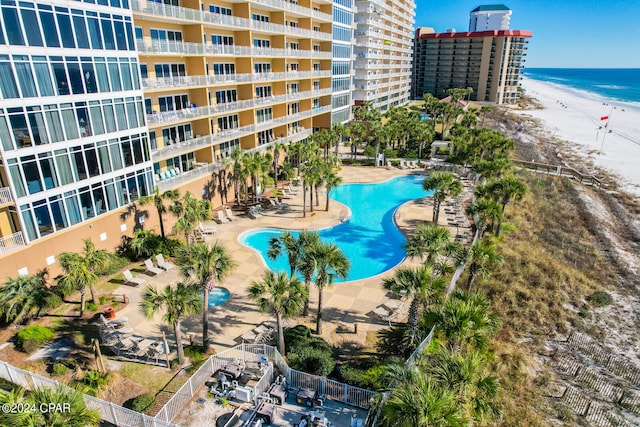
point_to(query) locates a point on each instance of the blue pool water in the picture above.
(370, 238)
(218, 296)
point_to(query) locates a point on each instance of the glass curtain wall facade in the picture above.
(342, 67)
(74, 143)
(219, 76)
(383, 49)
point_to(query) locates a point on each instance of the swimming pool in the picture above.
(218, 296)
(370, 238)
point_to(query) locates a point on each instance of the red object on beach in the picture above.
(604, 117)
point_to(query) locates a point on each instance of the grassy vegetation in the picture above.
(152, 377)
(551, 267)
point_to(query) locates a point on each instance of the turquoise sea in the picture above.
(612, 84)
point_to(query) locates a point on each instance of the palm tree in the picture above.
(429, 242)
(329, 261)
(468, 377)
(443, 184)
(81, 271)
(485, 109)
(331, 181)
(179, 303)
(485, 212)
(465, 320)
(278, 148)
(208, 265)
(25, 297)
(293, 246)
(284, 297)
(145, 243)
(190, 211)
(483, 256)
(504, 190)
(74, 414)
(421, 284)
(420, 402)
(158, 199)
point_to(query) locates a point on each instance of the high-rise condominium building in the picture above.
(102, 101)
(489, 17)
(383, 49)
(489, 62)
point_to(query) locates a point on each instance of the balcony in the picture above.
(286, 5)
(12, 242)
(164, 47)
(5, 196)
(208, 168)
(190, 16)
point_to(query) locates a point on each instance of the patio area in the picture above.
(345, 305)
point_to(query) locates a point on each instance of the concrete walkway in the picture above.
(344, 304)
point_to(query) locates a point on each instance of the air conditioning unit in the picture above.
(244, 394)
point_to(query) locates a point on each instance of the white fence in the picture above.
(9, 243)
(109, 412)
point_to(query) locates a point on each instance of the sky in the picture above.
(566, 33)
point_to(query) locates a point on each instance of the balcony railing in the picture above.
(5, 196)
(166, 47)
(209, 168)
(200, 112)
(233, 22)
(196, 81)
(12, 242)
(286, 5)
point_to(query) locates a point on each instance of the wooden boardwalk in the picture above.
(556, 170)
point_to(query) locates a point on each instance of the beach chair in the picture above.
(260, 210)
(151, 268)
(230, 214)
(166, 265)
(207, 229)
(253, 214)
(285, 195)
(115, 324)
(291, 190)
(133, 281)
(221, 218)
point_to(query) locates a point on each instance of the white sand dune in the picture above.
(575, 117)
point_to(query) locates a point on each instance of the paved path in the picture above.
(343, 303)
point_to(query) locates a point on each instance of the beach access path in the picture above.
(584, 121)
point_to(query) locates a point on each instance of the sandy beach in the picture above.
(577, 118)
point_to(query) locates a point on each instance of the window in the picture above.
(264, 114)
(263, 91)
(224, 68)
(261, 18)
(228, 122)
(217, 39)
(220, 10)
(293, 67)
(265, 137)
(316, 48)
(294, 24)
(316, 66)
(170, 70)
(293, 87)
(176, 134)
(262, 67)
(173, 102)
(293, 108)
(294, 46)
(12, 26)
(162, 35)
(138, 31)
(261, 43)
(226, 96)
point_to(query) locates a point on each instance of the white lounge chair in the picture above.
(134, 281)
(381, 313)
(166, 265)
(221, 218)
(113, 323)
(207, 229)
(253, 214)
(151, 268)
(285, 195)
(230, 214)
(291, 190)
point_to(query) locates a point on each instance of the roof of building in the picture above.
(460, 102)
(488, 7)
(472, 34)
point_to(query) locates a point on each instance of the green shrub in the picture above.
(395, 163)
(94, 381)
(600, 299)
(371, 378)
(59, 369)
(312, 360)
(390, 153)
(197, 355)
(141, 403)
(115, 263)
(369, 151)
(91, 306)
(32, 337)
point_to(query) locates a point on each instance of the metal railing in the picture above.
(109, 412)
(232, 22)
(5, 196)
(197, 172)
(166, 47)
(195, 81)
(12, 242)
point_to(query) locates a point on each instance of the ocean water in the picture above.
(612, 84)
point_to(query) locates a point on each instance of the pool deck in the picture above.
(345, 304)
